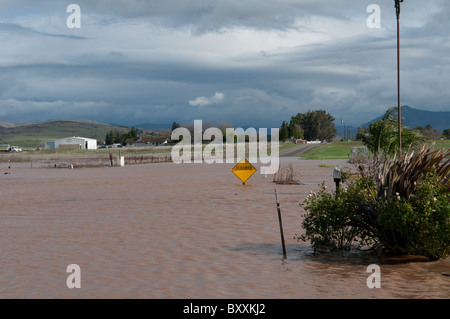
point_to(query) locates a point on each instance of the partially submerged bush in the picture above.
(285, 175)
(401, 204)
(419, 225)
(329, 223)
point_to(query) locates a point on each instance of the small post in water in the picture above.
(337, 178)
(111, 158)
(281, 225)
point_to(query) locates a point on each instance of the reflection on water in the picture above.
(180, 231)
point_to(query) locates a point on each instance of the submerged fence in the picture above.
(79, 162)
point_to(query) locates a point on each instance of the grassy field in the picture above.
(336, 150)
(342, 150)
(444, 143)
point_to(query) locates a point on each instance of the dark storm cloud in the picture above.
(254, 62)
(12, 28)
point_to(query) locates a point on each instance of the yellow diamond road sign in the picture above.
(243, 170)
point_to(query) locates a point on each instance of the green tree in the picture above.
(361, 131)
(295, 130)
(109, 138)
(132, 133)
(382, 135)
(117, 138)
(284, 132)
(316, 125)
(446, 133)
(429, 132)
(175, 125)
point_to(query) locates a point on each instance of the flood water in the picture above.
(180, 231)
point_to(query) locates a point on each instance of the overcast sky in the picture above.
(245, 62)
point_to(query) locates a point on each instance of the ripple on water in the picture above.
(174, 231)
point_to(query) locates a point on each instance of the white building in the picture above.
(72, 143)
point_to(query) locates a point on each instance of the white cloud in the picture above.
(217, 98)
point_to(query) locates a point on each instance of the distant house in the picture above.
(72, 143)
(145, 142)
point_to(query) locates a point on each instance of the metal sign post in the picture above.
(281, 225)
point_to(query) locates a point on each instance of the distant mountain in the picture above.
(35, 134)
(415, 117)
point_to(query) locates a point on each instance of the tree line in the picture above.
(115, 137)
(312, 125)
(432, 133)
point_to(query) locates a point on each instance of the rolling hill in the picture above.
(4, 124)
(32, 135)
(153, 126)
(414, 117)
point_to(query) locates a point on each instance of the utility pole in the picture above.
(397, 8)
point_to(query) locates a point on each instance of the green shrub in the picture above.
(330, 223)
(401, 204)
(420, 225)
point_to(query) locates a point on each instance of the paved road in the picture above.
(297, 150)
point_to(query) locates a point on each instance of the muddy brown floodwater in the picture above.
(180, 231)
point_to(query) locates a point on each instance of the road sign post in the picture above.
(281, 225)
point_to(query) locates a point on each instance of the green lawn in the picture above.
(342, 150)
(443, 143)
(335, 150)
